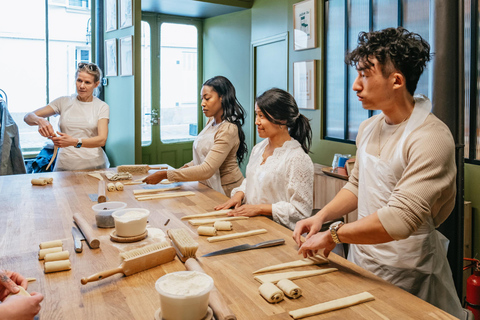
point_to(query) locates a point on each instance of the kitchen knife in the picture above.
(243, 247)
(77, 239)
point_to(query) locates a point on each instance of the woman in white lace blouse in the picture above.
(279, 177)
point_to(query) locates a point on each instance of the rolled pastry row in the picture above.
(290, 289)
(111, 186)
(206, 231)
(271, 292)
(43, 252)
(119, 186)
(49, 180)
(39, 182)
(51, 244)
(223, 225)
(55, 266)
(63, 255)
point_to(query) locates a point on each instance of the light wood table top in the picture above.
(33, 214)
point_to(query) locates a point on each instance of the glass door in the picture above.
(171, 83)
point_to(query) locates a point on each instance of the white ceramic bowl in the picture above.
(184, 295)
(104, 212)
(130, 222)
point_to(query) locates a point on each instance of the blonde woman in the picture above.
(83, 123)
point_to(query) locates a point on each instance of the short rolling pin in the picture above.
(87, 231)
(216, 300)
(101, 192)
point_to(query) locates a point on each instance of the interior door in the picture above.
(171, 84)
(270, 68)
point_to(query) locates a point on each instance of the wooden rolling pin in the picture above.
(101, 191)
(216, 300)
(87, 231)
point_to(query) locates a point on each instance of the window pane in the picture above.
(385, 14)
(335, 74)
(178, 82)
(416, 19)
(359, 21)
(146, 86)
(22, 63)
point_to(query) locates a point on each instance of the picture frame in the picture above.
(305, 25)
(126, 56)
(126, 19)
(110, 57)
(305, 84)
(110, 15)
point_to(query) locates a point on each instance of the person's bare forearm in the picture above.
(368, 230)
(343, 203)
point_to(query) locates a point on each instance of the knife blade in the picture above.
(77, 239)
(243, 247)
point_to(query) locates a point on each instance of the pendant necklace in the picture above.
(386, 141)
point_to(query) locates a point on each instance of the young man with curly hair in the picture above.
(403, 182)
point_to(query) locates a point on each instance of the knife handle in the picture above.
(269, 243)
(77, 243)
(102, 275)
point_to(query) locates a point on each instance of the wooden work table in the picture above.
(33, 214)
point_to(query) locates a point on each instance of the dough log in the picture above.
(54, 266)
(22, 292)
(223, 225)
(51, 244)
(206, 231)
(48, 180)
(271, 292)
(119, 186)
(63, 255)
(110, 186)
(332, 305)
(290, 289)
(39, 182)
(43, 252)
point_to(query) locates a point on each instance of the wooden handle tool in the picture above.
(101, 191)
(216, 300)
(87, 231)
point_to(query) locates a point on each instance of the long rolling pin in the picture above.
(216, 300)
(101, 192)
(87, 231)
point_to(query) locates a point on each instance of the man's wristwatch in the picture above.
(79, 143)
(333, 230)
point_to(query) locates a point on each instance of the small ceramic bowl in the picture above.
(104, 212)
(130, 222)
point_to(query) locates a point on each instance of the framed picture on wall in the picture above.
(126, 56)
(126, 19)
(305, 84)
(110, 57)
(111, 15)
(305, 25)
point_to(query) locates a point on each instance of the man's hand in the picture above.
(311, 225)
(315, 243)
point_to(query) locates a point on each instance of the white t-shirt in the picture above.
(285, 180)
(80, 120)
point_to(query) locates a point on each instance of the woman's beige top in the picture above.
(222, 156)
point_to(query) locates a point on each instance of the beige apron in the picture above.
(201, 147)
(419, 263)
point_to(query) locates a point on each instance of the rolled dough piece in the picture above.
(31, 279)
(197, 222)
(43, 252)
(119, 186)
(51, 244)
(49, 180)
(290, 289)
(54, 266)
(206, 231)
(110, 186)
(223, 225)
(39, 182)
(237, 235)
(207, 214)
(318, 259)
(332, 305)
(275, 277)
(271, 292)
(63, 255)
(22, 292)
